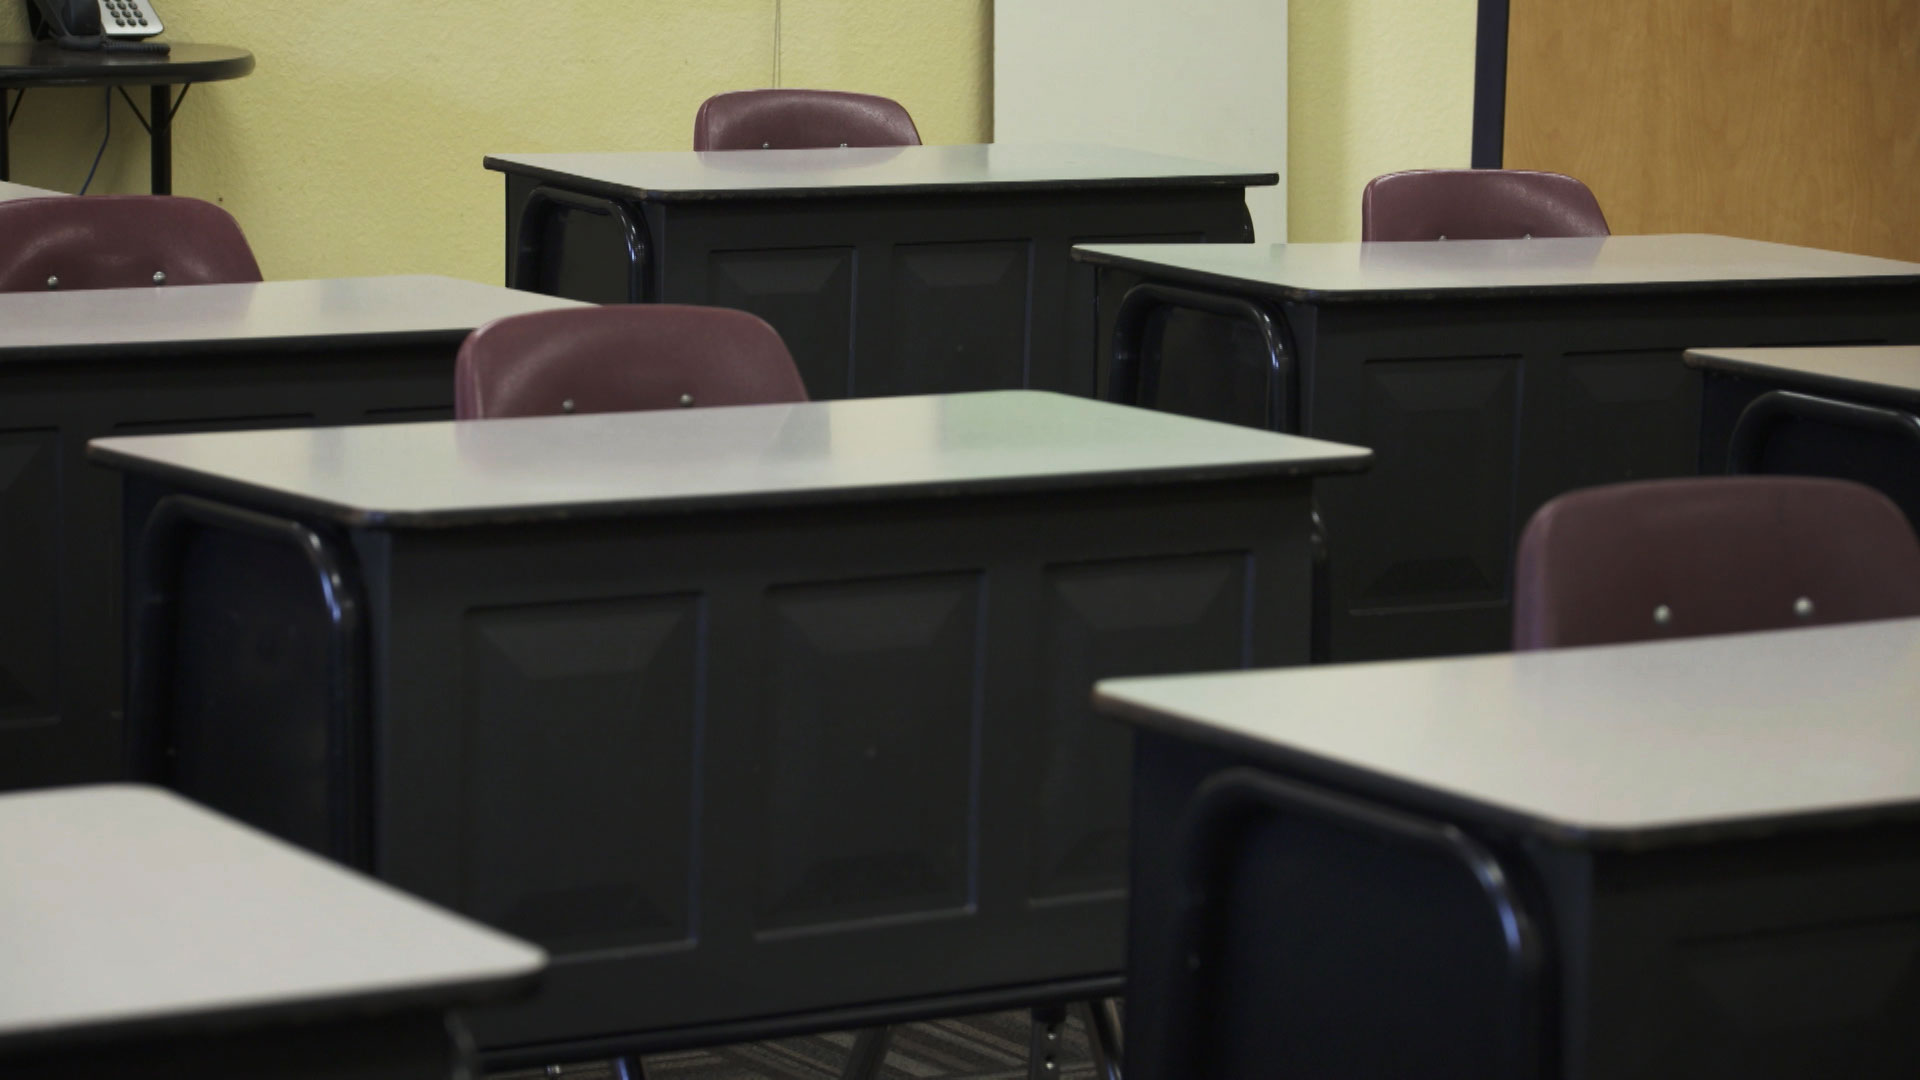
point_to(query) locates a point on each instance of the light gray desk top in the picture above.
(124, 906)
(22, 191)
(1879, 370)
(711, 174)
(1462, 268)
(453, 473)
(1613, 744)
(175, 319)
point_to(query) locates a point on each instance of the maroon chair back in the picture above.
(1477, 204)
(621, 358)
(800, 120)
(1711, 555)
(120, 242)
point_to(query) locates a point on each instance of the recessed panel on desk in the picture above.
(1103, 620)
(805, 293)
(960, 318)
(1443, 434)
(29, 547)
(585, 719)
(1625, 415)
(871, 705)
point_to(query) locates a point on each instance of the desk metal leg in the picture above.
(1043, 1048)
(869, 1054)
(160, 140)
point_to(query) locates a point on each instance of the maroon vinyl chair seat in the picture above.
(800, 120)
(621, 358)
(1711, 555)
(120, 242)
(1477, 204)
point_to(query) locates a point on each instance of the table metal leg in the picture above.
(160, 140)
(6, 122)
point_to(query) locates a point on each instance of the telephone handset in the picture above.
(114, 25)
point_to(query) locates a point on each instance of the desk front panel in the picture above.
(1478, 412)
(61, 643)
(881, 295)
(742, 773)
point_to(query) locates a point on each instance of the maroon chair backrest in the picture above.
(1711, 555)
(120, 242)
(621, 358)
(800, 120)
(1477, 204)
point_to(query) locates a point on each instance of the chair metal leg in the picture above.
(629, 1067)
(1043, 1049)
(869, 1054)
(1102, 1017)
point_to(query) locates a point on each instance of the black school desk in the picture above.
(761, 719)
(1851, 412)
(1683, 859)
(142, 936)
(29, 65)
(1489, 376)
(890, 270)
(81, 364)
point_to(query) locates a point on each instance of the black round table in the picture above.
(26, 65)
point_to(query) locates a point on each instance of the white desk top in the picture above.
(1617, 743)
(1888, 370)
(608, 464)
(710, 174)
(125, 906)
(1451, 267)
(22, 191)
(260, 315)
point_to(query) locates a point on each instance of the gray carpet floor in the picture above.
(989, 1047)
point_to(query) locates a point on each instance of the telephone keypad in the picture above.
(129, 18)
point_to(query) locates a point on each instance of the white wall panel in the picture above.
(1199, 78)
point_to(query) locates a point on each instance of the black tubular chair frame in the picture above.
(1215, 818)
(151, 602)
(1133, 382)
(1749, 437)
(541, 204)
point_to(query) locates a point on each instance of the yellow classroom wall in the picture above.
(355, 146)
(1373, 86)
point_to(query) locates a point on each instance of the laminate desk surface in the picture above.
(455, 473)
(22, 191)
(1616, 744)
(173, 320)
(1361, 271)
(125, 907)
(1891, 370)
(708, 174)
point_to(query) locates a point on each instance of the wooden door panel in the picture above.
(1773, 119)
